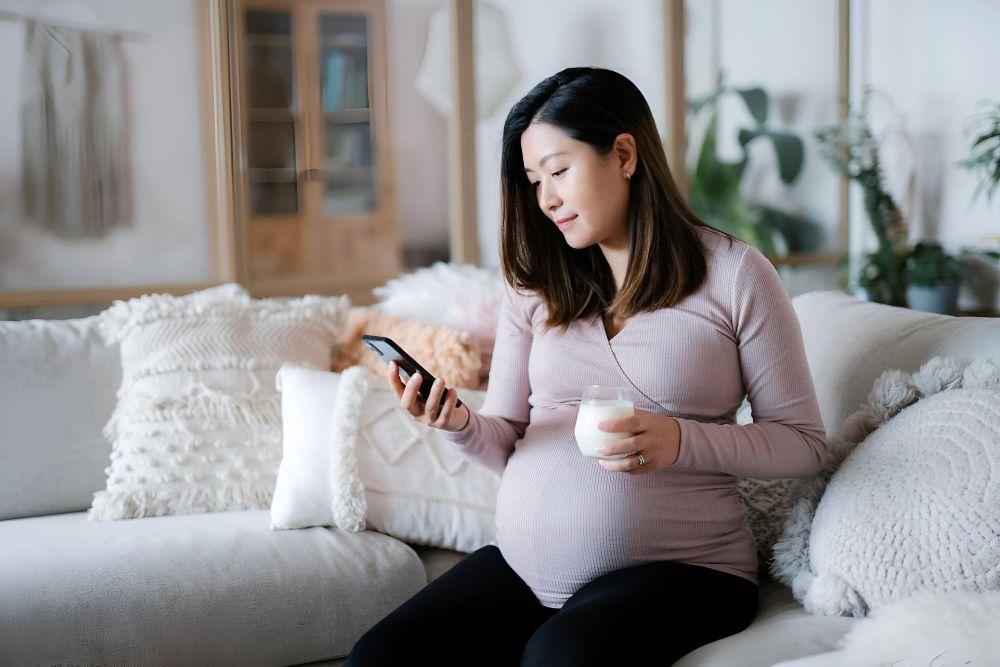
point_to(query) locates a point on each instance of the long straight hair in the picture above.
(666, 258)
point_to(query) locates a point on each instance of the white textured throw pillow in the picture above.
(197, 427)
(913, 508)
(382, 469)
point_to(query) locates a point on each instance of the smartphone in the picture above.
(388, 350)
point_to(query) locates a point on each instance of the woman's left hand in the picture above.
(656, 437)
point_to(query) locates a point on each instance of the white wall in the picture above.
(420, 133)
(552, 35)
(169, 242)
(790, 50)
(932, 62)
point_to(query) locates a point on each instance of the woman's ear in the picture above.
(625, 153)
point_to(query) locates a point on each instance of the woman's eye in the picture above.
(534, 184)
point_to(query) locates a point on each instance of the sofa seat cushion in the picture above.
(782, 630)
(437, 561)
(216, 588)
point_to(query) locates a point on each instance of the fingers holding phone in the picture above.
(441, 409)
(414, 387)
(395, 382)
(439, 405)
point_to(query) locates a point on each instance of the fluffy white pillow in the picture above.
(197, 427)
(913, 508)
(381, 469)
(458, 296)
(927, 629)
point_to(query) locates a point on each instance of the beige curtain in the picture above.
(75, 172)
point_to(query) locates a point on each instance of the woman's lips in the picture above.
(565, 222)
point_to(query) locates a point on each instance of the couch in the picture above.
(222, 588)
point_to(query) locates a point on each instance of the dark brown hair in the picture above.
(666, 257)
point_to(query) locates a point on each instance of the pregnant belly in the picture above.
(563, 520)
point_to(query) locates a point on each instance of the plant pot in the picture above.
(941, 298)
(879, 294)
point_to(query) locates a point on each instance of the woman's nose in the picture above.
(549, 198)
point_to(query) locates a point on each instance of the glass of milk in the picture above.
(601, 402)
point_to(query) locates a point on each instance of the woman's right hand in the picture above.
(446, 417)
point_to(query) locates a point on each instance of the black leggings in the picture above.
(481, 613)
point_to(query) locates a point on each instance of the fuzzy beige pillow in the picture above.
(444, 352)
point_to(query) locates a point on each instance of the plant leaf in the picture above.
(986, 137)
(697, 104)
(800, 233)
(787, 147)
(716, 179)
(756, 101)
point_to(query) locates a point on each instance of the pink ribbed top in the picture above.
(562, 520)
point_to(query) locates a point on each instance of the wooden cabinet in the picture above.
(314, 181)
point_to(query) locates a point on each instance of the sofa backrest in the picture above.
(58, 381)
(849, 343)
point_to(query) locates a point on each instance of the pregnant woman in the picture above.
(611, 279)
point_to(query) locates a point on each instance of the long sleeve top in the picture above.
(563, 520)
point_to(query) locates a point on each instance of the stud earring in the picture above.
(627, 176)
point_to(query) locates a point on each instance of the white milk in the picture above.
(592, 412)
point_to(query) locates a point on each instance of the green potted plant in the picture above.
(983, 130)
(984, 153)
(852, 150)
(933, 277)
(714, 184)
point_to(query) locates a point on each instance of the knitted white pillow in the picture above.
(359, 459)
(197, 427)
(915, 507)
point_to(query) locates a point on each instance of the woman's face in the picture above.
(583, 194)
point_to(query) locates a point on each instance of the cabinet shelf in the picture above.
(271, 115)
(346, 42)
(267, 39)
(348, 116)
(273, 175)
(342, 175)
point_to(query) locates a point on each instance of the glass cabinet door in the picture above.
(317, 189)
(347, 153)
(271, 126)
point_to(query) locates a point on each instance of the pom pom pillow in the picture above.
(197, 426)
(913, 508)
(355, 459)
